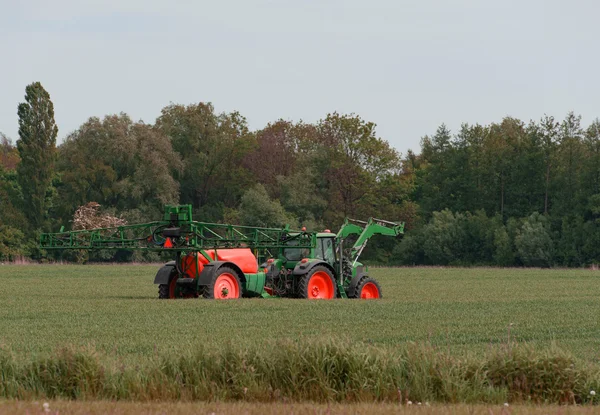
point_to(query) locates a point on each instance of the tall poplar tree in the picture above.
(37, 150)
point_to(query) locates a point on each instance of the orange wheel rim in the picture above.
(320, 286)
(226, 287)
(369, 290)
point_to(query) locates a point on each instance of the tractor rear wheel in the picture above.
(318, 283)
(368, 288)
(225, 285)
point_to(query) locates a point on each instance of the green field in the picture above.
(114, 309)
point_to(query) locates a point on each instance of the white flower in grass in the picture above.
(409, 403)
(506, 404)
(418, 403)
(593, 393)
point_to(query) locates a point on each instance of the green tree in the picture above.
(534, 242)
(504, 255)
(435, 192)
(300, 195)
(12, 243)
(549, 135)
(352, 160)
(280, 151)
(212, 147)
(37, 150)
(117, 162)
(442, 237)
(258, 209)
(9, 155)
(11, 199)
(570, 156)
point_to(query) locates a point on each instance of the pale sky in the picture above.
(408, 66)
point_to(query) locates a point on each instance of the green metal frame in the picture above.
(194, 236)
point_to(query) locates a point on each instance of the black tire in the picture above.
(163, 292)
(209, 290)
(361, 285)
(305, 290)
(164, 289)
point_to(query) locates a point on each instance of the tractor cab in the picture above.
(325, 248)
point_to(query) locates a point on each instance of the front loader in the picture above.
(221, 261)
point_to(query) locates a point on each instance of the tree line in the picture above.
(508, 194)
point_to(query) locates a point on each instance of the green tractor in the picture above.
(223, 261)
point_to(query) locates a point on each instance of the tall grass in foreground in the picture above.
(318, 372)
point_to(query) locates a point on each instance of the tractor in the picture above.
(221, 261)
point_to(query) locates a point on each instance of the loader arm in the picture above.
(365, 230)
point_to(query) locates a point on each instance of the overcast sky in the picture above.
(406, 65)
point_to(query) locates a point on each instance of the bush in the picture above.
(503, 250)
(534, 243)
(13, 244)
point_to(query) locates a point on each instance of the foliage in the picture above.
(37, 151)
(257, 209)
(9, 155)
(467, 198)
(13, 244)
(503, 249)
(212, 147)
(534, 243)
(322, 371)
(116, 162)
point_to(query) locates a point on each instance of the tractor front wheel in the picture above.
(318, 283)
(225, 285)
(368, 288)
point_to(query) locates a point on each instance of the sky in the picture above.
(407, 66)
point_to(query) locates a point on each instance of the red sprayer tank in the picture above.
(242, 257)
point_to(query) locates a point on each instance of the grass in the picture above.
(114, 309)
(440, 334)
(220, 408)
(324, 371)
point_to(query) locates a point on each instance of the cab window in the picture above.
(294, 254)
(319, 251)
(328, 251)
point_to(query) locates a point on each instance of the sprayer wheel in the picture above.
(170, 291)
(225, 285)
(368, 288)
(318, 283)
(163, 291)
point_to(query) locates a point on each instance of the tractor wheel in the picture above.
(368, 288)
(317, 284)
(225, 285)
(169, 291)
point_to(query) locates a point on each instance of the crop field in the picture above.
(114, 309)
(434, 336)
